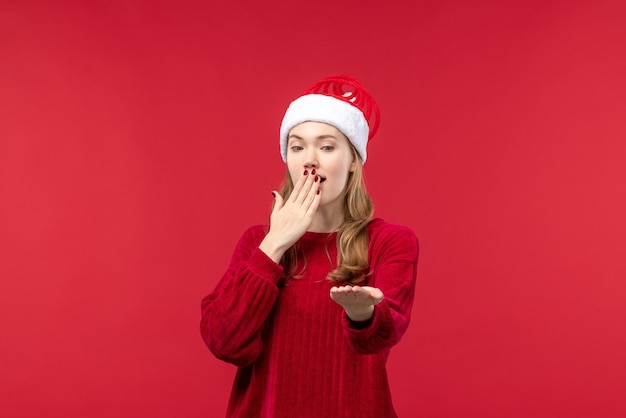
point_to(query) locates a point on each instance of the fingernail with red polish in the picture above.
(313, 172)
(318, 191)
(316, 178)
(306, 172)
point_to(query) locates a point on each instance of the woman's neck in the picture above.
(327, 219)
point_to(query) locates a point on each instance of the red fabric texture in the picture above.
(297, 353)
(348, 89)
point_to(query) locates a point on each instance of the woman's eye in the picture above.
(296, 148)
(328, 148)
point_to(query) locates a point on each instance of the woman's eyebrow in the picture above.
(321, 137)
(318, 138)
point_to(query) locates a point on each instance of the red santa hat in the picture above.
(340, 101)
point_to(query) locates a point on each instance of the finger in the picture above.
(312, 193)
(378, 298)
(315, 203)
(344, 290)
(306, 188)
(278, 201)
(298, 186)
(338, 290)
(338, 293)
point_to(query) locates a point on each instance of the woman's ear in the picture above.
(355, 157)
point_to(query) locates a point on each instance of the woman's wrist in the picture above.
(360, 314)
(272, 249)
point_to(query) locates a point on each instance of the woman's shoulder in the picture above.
(382, 232)
(254, 234)
(379, 226)
(256, 229)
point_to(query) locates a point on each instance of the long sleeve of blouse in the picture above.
(234, 313)
(393, 254)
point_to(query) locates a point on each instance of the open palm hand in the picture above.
(357, 301)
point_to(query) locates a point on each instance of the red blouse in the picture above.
(297, 353)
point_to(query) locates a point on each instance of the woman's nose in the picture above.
(311, 160)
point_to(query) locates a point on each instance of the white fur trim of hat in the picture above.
(326, 109)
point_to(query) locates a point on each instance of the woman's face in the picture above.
(319, 146)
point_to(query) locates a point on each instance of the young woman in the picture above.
(311, 304)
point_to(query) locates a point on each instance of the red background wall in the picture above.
(139, 139)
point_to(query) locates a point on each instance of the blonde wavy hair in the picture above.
(352, 238)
